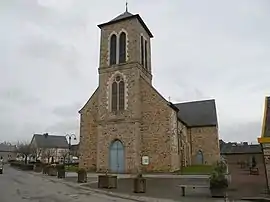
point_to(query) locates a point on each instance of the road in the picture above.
(21, 186)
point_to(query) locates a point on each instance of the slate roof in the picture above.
(7, 148)
(122, 16)
(266, 124)
(237, 148)
(50, 141)
(125, 16)
(198, 113)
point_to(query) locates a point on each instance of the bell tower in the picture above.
(125, 43)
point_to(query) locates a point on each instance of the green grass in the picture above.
(72, 168)
(197, 170)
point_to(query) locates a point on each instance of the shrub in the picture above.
(218, 176)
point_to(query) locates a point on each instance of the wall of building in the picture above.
(88, 134)
(245, 157)
(8, 155)
(205, 139)
(156, 131)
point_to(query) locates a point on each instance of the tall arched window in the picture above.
(122, 47)
(113, 42)
(118, 94)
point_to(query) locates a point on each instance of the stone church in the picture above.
(127, 126)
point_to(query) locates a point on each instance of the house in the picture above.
(49, 148)
(74, 150)
(7, 152)
(127, 125)
(235, 153)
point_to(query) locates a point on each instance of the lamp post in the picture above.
(70, 136)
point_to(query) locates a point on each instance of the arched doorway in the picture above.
(199, 158)
(117, 158)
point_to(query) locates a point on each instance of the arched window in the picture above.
(118, 94)
(113, 42)
(122, 47)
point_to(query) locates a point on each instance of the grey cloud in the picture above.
(67, 111)
(249, 131)
(49, 51)
(18, 97)
(64, 127)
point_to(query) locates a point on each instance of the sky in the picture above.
(49, 56)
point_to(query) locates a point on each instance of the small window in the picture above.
(122, 48)
(142, 51)
(113, 42)
(145, 52)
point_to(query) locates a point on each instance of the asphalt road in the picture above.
(20, 186)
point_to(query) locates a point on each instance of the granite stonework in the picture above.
(149, 125)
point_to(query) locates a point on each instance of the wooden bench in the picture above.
(193, 186)
(254, 171)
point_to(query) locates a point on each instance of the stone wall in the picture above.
(127, 133)
(88, 133)
(205, 139)
(133, 30)
(156, 130)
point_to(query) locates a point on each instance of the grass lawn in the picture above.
(71, 168)
(197, 170)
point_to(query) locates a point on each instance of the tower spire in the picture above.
(126, 6)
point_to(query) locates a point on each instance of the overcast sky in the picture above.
(201, 49)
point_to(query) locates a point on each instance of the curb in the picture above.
(104, 192)
(259, 199)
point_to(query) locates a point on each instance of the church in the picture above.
(127, 126)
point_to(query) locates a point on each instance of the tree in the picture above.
(36, 153)
(64, 154)
(24, 149)
(49, 153)
(253, 162)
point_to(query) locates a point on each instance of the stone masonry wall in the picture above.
(205, 139)
(88, 134)
(133, 30)
(126, 132)
(155, 129)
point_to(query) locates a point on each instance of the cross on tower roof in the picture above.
(126, 6)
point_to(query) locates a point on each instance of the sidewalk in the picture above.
(111, 193)
(123, 176)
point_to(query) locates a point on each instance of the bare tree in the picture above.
(36, 153)
(24, 149)
(64, 154)
(49, 153)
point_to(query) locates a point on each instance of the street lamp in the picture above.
(70, 136)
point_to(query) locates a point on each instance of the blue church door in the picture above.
(199, 158)
(117, 158)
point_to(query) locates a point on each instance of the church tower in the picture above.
(125, 59)
(125, 43)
